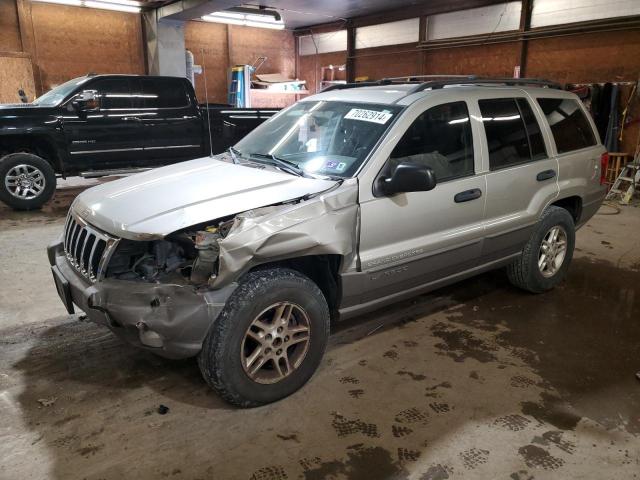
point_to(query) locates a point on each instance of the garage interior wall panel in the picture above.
(496, 60)
(381, 62)
(16, 73)
(557, 12)
(208, 43)
(392, 33)
(9, 29)
(309, 67)
(495, 18)
(247, 44)
(596, 57)
(326, 42)
(218, 46)
(72, 41)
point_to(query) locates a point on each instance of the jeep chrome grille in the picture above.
(87, 248)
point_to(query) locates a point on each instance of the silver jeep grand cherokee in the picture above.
(348, 200)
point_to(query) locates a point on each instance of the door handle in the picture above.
(467, 195)
(131, 119)
(546, 175)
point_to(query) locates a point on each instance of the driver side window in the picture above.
(440, 138)
(114, 93)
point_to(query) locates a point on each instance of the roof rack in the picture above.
(441, 81)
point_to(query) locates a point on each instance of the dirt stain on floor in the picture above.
(583, 338)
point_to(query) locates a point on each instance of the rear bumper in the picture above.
(171, 320)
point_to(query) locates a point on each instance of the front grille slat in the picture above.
(86, 248)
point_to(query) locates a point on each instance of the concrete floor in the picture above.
(478, 380)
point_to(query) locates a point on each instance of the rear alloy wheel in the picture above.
(546, 257)
(268, 340)
(553, 250)
(27, 181)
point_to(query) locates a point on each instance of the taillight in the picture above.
(604, 163)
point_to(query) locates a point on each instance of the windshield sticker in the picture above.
(369, 115)
(341, 166)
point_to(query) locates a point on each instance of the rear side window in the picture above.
(538, 151)
(441, 139)
(570, 128)
(163, 93)
(513, 134)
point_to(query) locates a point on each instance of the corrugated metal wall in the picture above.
(393, 33)
(556, 12)
(495, 18)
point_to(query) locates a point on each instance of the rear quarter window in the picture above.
(569, 125)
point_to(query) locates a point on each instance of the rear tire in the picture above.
(26, 181)
(268, 340)
(546, 257)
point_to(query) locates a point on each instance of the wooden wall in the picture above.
(70, 41)
(218, 47)
(73, 41)
(16, 73)
(9, 30)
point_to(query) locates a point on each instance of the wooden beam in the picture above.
(525, 25)
(28, 40)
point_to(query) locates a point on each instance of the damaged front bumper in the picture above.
(172, 320)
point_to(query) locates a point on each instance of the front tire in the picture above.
(268, 340)
(546, 257)
(26, 181)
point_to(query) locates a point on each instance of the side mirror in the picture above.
(86, 101)
(407, 177)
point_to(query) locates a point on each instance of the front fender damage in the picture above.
(324, 224)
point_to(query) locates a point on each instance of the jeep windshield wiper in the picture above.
(234, 154)
(285, 165)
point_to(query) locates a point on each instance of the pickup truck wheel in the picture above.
(268, 340)
(546, 257)
(26, 181)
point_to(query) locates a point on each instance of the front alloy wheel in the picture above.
(25, 182)
(276, 343)
(269, 338)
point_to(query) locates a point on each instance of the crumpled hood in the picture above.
(156, 203)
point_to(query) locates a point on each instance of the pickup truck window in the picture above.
(441, 139)
(163, 93)
(322, 137)
(507, 136)
(569, 125)
(56, 95)
(114, 93)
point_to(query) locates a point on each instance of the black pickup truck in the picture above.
(104, 124)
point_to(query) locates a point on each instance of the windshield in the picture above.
(55, 96)
(321, 138)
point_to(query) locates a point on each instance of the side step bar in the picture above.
(106, 173)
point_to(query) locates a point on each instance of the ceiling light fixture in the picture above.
(128, 6)
(257, 19)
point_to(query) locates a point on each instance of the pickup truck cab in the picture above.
(101, 124)
(344, 202)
